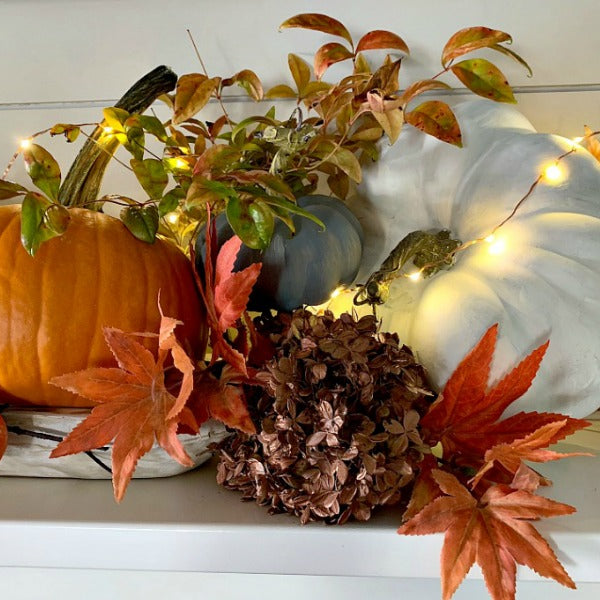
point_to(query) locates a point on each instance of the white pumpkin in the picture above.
(543, 282)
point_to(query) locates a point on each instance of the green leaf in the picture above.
(142, 221)
(153, 126)
(470, 39)
(8, 189)
(152, 176)
(292, 207)
(318, 22)
(484, 79)
(135, 142)
(248, 80)
(170, 201)
(191, 95)
(437, 119)
(381, 40)
(328, 55)
(241, 219)
(36, 226)
(43, 170)
(264, 221)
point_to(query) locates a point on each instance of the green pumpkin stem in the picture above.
(81, 186)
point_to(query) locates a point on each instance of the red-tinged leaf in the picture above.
(470, 39)
(3, 437)
(225, 294)
(484, 79)
(135, 408)
(9, 189)
(247, 80)
(493, 531)
(328, 55)
(193, 92)
(232, 290)
(381, 40)
(318, 22)
(437, 119)
(419, 87)
(527, 479)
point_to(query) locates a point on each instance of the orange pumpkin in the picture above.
(53, 307)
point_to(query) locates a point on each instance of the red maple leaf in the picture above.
(466, 416)
(135, 407)
(493, 531)
(225, 294)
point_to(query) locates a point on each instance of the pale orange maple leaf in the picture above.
(135, 408)
(493, 531)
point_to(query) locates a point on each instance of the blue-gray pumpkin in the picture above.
(304, 267)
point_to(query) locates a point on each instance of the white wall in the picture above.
(59, 57)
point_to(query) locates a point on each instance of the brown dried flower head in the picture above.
(337, 419)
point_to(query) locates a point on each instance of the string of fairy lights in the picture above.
(551, 173)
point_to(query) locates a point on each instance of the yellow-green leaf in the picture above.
(300, 71)
(484, 79)
(71, 132)
(381, 40)
(340, 157)
(281, 91)
(514, 56)
(43, 170)
(437, 119)
(152, 175)
(318, 22)
(192, 93)
(470, 39)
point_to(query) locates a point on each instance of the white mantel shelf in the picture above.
(189, 524)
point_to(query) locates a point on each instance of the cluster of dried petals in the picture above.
(337, 420)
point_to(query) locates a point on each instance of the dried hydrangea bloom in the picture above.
(337, 420)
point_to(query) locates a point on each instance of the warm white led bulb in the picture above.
(415, 276)
(172, 217)
(553, 174)
(490, 238)
(25, 144)
(336, 292)
(578, 139)
(497, 247)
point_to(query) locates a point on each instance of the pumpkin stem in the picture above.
(82, 183)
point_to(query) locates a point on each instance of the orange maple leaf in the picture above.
(223, 399)
(135, 408)
(3, 437)
(225, 294)
(466, 416)
(493, 531)
(533, 448)
(591, 143)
